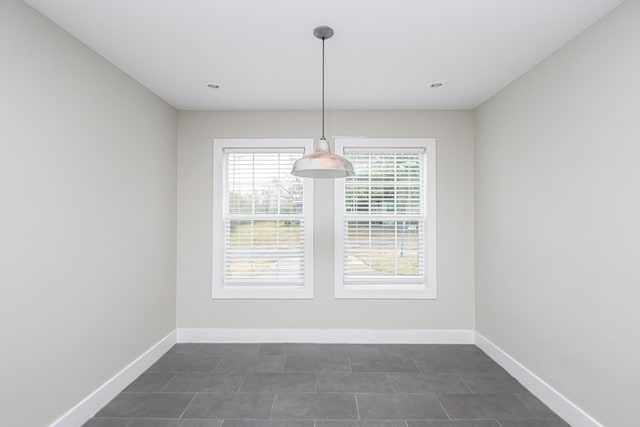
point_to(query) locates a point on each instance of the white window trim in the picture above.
(219, 291)
(427, 290)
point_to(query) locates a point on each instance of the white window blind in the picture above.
(385, 220)
(264, 218)
(384, 216)
(264, 240)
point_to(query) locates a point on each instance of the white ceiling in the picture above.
(384, 54)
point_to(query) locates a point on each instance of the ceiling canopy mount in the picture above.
(323, 32)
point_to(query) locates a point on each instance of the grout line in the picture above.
(165, 386)
(161, 392)
(187, 407)
(516, 395)
(465, 383)
(217, 363)
(442, 406)
(416, 365)
(244, 380)
(393, 389)
(273, 402)
(349, 360)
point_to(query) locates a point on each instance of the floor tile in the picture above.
(427, 383)
(453, 423)
(107, 422)
(331, 363)
(184, 363)
(415, 406)
(451, 365)
(492, 382)
(536, 406)
(245, 364)
(405, 350)
(217, 350)
(279, 382)
(366, 423)
(533, 423)
(431, 351)
(187, 349)
(382, 364)
(141, 422)
(150, 382)
(465, 406)
(473, 353)
(467, 349)
(492, 366)
(268, 423)
(367, 382)
(147, 405)
(349, 349)
(455, 358)
(234, 349)
(315, 406)
(230, 405)
(288, 349)
(203, 382)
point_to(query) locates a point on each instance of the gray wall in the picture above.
(88, 211)
(452, 309)
(557, 204)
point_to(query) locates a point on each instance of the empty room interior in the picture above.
(286, 213)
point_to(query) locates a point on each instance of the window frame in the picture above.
(428, 288)
(258, 291)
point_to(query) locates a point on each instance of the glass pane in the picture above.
(385, 183)
(261, 184)
(264, 249)
(383, 248)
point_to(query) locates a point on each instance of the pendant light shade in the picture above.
(322, 163)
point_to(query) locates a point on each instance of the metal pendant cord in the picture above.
(323, 88)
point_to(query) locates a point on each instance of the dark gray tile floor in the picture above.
(325, 385)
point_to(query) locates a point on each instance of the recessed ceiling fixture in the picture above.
(322, 163)
(436, 84)
(212, 85)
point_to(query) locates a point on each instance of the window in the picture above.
(385, 243)
(262, 220)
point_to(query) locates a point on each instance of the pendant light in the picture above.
(322, 163)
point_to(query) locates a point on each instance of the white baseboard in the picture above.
(87, 408)
(351, 336)
(551, 397)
